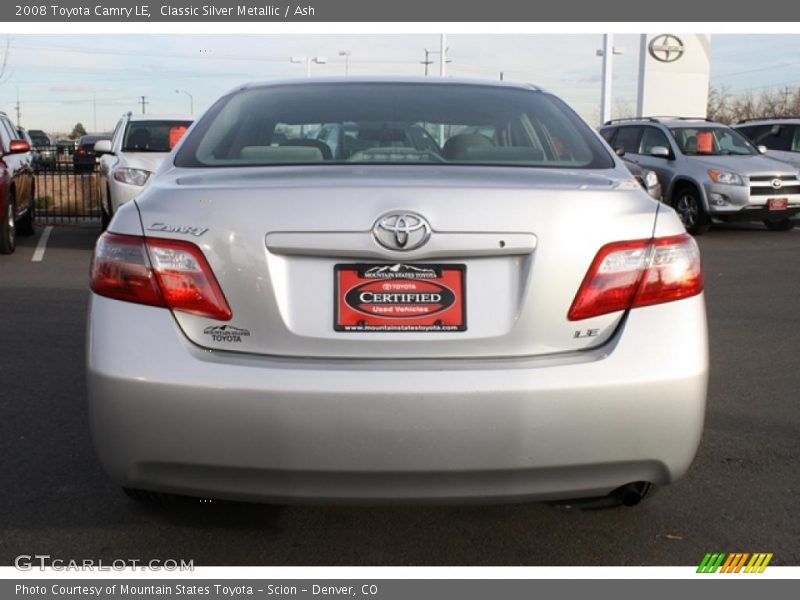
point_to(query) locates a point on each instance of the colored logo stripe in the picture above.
(734, 562)
(758, 563)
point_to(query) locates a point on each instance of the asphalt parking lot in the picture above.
(742, 493)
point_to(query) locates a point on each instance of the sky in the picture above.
(60, 80)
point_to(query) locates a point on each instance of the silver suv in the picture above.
(780, 135)
(709, 172)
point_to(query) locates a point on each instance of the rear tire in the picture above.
(782, 225)
(8, 229)
(689, 206)
(105, 217)
(26, 223)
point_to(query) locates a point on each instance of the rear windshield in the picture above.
(712, 141)
(153, 136)
(380, 123)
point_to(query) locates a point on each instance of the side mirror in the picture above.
(18, 147)
(762, 149)
(619, 151)
(103, 147)
(660, 152)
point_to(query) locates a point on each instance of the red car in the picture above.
(16, 186)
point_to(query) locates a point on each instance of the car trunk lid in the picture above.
(278, 238)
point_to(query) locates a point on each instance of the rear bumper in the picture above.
(168, 416)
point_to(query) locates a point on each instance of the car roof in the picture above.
(669, 121)
(768, 121)
(167, 117)
(416, 80)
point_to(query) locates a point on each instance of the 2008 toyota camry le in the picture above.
(366, 290)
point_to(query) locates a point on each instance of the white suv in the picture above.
(137, 148)
(780, 135)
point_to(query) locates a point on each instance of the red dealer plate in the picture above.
(778, 203)
(399, 298)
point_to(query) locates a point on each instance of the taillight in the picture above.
(158, 272)
(627, 275)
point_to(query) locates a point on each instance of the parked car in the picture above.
(645, 177)
(65, 148)
(138, 146)
(28, 157)
(709, 172)
(491, 320)
(780, 135)
(85, 157)
(17, 205)
(44, 156)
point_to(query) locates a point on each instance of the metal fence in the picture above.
(67, 187)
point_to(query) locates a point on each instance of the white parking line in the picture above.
(38, 254)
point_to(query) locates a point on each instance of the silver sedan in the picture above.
(372, 290)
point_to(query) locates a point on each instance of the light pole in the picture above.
(191, 100)
(443, 60)
(608, 51)
(347, 54)
(442, 54)
(319, 60)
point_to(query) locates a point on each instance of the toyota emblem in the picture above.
(776, 183)
(401, 230)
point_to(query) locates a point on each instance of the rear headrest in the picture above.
(281, 154)
(324, 149)
(457, 147)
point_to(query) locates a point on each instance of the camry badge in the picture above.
(196, 231)
(401, 230)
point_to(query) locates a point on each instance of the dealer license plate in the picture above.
(778, 203)
(399, 298)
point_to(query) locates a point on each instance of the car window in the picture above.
(651, 138)
(779, 137)
(754, 132)
(393, 123)
(711, 141)
(9, 133)
(628, 139)
(796, 139)
(152, 136)
(608, 134)
(115, 135)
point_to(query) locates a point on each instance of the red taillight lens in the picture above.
(626, 275)
(158, 272)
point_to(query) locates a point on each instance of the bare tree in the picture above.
(622, 109)
(726, 107)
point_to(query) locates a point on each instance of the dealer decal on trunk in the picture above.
(226, 333)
